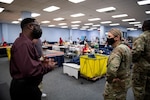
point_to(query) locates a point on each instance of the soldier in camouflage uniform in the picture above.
(118, 76)
(141, 62)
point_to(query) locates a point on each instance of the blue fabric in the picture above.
(91, 56)
(75, 60)
(59, 60)
(106, 50)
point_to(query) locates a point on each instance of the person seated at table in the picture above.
(78, 41)
(45, 42)
(61, 41)
(4, 44)
(86, 49)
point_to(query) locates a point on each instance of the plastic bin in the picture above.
(93, 67)
(8, 53)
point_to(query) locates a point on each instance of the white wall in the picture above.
(53, 34)
(78, 33)
(93, 34)
(11, 31)
(135, 33)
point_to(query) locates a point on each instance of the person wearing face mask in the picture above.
(26, 69)
(118, 75)
(141, 64)
(38, 46)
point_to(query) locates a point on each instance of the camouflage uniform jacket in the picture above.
(119, 63)
(141, 51)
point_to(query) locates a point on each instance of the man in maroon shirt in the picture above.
(25, 67)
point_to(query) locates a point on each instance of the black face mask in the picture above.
(110, 41)
(36, 33)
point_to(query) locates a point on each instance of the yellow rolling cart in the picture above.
(8, 52)
(93, 67)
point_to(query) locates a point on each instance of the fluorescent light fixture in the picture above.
(106, 9)
(35, 14)
(94, 19)
(62, 24)
(97, 25)
(127, 20)
(75, 25)
(131, 29)
(82, 28)
(134, 22)
(118, 16)
(77, 15)
(134, 29)
(106, 22)
(88, 24)
(20, 19)
(58, 19)
(51, 25)
(46, 21)
(51, 8)
(93, 28)
(15, 22)
(115, 24)
(147, 12)
(85, 26)
(1, 9)
(144, 2)
(90, 29)
(76, 1)
(7, 1)
(74, 22)
(138, 25)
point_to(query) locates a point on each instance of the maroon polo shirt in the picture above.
(24, 61)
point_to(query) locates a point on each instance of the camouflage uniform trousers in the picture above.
(141, 84)
(115, 91)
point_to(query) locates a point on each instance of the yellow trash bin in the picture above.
(8, 53)
(93, 67)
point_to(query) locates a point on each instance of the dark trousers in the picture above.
(24, 90)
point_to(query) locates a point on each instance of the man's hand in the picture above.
(49, 62)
